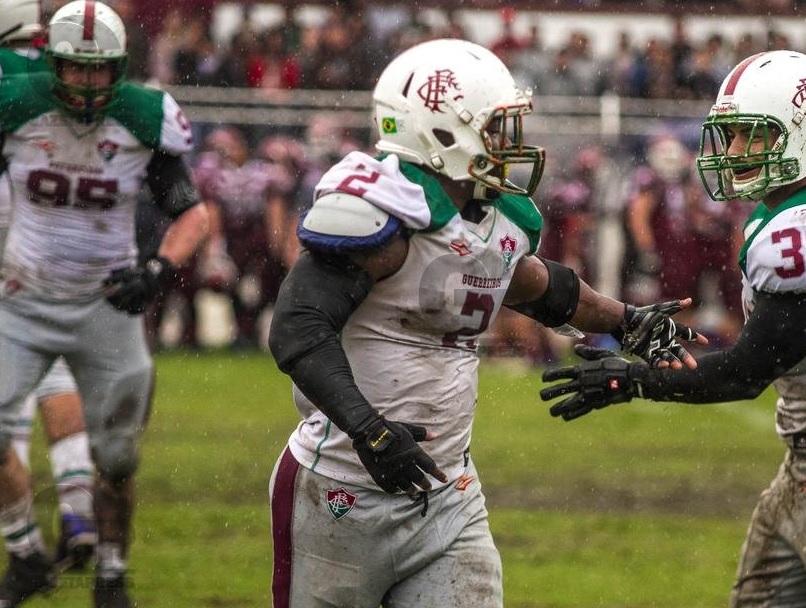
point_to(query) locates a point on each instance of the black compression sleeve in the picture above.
(773, 341)
(315, 301)
(171, 183)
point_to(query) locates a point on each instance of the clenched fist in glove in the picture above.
(650, 333)
(131, 289)
(604, 379)
(389, 451)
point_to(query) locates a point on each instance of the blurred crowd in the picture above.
(640, 226)
(347, 50)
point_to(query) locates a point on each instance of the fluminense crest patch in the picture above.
(107, 149)
(340, 502)
(508, 245)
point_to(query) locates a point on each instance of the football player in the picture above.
(78, 141)
(408, 258)
(57, 395)
(752, 148)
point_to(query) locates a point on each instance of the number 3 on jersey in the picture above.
(49, 188)
(792, 253)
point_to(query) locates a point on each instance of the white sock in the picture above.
(111, 563)
(73, 473)
(21, 438)
(20, 530)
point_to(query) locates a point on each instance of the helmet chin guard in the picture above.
(453, 106)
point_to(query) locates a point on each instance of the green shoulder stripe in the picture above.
(524, 213)
(12, 62)
(765, 215)
(24, 97)
(139, 109)
(439, 203)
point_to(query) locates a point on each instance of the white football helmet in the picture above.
(766, 95)
(93, 35)
(20, 20)
(453, 106)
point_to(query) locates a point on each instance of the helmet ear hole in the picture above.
(444, 137)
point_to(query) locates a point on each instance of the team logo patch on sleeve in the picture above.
(340, 502)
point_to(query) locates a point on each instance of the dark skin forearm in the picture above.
(596, 312)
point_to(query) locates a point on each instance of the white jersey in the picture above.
(74, 187)
(772, 261)
(412, 343)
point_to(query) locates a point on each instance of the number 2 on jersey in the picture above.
(474, 302)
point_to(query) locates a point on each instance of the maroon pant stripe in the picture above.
(282, 514)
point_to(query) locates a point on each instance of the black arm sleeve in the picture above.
(171, 183)
(773, 341)
(315, 301)
(559, 302)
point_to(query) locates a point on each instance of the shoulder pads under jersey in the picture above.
(341, 222)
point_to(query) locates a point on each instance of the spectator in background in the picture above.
(242, 194)
(136, 40)
(169, 40)
(659, 79)
(561, 79)
(721, 57)
(700, 81)
(270, 66)
(681, 49)
(531, 61)
(197, 61)
(507, 45)
(676, 235)
(586, 69)
(623, 72)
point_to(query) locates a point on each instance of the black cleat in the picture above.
(110, 593)
(25, 578)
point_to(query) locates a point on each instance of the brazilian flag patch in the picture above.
(388, 125)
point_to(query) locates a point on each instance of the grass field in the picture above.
(643, 505)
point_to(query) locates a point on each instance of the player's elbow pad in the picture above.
(559, 303)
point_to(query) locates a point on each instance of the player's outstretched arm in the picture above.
(772, 342)
(553, 295)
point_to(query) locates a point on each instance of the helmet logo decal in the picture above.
(800, 94)
(435, 90)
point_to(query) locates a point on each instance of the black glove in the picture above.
(650, 333)
(131, 289)
(389, 451)
(603, 380)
